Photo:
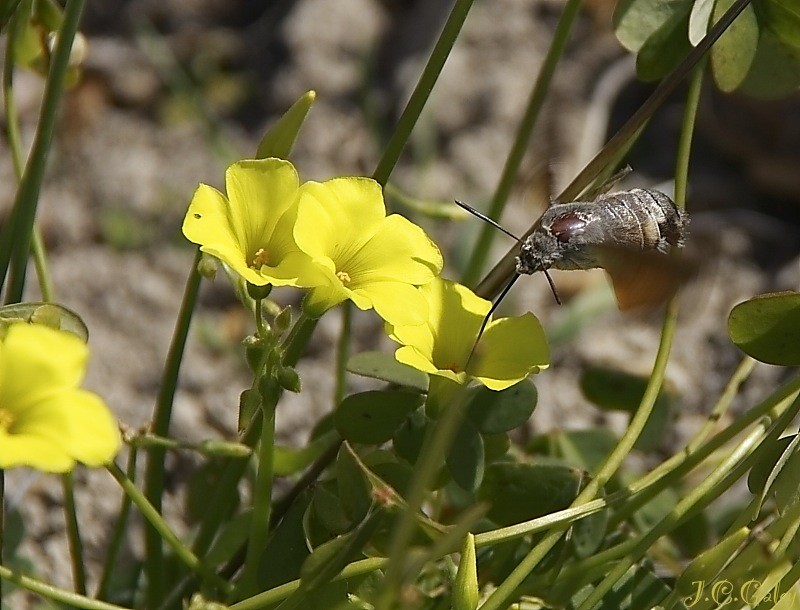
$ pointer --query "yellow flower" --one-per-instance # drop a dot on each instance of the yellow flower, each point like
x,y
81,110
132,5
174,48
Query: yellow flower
x,y
251,229
508,351
47,421
372,259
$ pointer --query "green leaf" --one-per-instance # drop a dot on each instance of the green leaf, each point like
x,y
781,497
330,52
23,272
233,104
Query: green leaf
x,y
466,459
767,328
588,533
638,588
519,492
289,461
585,449
666,48
279,139
354,489
767,455
373,417
700,20
637,20
708,564
782,18
614,390
286,548
407,441
232,537
732,55
494,412
378,365
48,314
495,446
775,72
328,509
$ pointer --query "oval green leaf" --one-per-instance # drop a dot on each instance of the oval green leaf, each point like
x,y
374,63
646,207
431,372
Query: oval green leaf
x,y
48,314
373,417
519,492
466,459
353,487
732,55
615,390
494,412
378,365
775,72
666,48
767,328
407,441
636,20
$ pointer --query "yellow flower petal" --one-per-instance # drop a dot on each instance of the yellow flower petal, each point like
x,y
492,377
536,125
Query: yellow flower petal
x,y
396,302
46,421
335,218
94,433
509,350
251,230
260,191
398,250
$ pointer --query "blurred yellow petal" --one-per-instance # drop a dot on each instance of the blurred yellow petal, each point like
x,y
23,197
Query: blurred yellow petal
x,y
46,421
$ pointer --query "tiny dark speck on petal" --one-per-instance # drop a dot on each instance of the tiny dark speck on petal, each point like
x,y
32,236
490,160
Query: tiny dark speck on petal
x,y
197,216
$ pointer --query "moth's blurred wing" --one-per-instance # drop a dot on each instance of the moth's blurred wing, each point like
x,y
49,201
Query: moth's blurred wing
x,y
644,280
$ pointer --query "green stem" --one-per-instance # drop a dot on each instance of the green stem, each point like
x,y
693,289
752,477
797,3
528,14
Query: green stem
x,y
422,91
73,600
432,455
262,494
687,132
154,471
155,519
118,534
42,267
342,353
498,277
519,148
74,534
27,198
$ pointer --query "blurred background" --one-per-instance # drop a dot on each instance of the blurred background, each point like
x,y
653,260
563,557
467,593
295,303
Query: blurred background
x,y
172,91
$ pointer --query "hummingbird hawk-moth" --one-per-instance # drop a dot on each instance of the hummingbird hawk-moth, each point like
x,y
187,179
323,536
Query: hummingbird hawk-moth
x,y
628,233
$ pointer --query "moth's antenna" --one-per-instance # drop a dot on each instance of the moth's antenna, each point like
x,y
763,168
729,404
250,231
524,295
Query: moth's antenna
x,y
552,285
485,218
492,309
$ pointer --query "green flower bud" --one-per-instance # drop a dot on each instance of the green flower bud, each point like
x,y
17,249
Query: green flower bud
x,y
283,320
289,379
207,267
254,352
465,586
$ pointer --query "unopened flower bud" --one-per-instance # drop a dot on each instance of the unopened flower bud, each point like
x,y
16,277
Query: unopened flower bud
x,y
283,320
289,379
207,267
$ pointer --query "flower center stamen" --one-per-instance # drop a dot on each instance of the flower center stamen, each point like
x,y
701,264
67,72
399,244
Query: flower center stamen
x,y
343,276
6,419
259,259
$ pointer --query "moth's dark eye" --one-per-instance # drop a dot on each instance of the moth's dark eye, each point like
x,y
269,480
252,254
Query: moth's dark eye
x,y
567,226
